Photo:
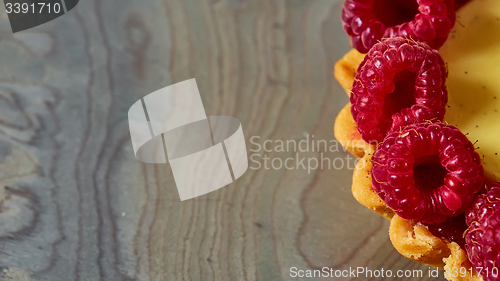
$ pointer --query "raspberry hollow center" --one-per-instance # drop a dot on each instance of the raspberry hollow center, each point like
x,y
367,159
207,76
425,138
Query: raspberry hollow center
x,y
428,173
395,12
401,97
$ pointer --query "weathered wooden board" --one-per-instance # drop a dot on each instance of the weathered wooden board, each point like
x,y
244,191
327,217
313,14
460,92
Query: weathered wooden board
x,y
77,205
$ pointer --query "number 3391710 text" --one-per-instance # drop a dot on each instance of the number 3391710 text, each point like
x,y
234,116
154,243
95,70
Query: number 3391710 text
x,y
38,8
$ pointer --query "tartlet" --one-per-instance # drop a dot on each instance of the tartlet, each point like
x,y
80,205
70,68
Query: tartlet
x,y
409,238
412,239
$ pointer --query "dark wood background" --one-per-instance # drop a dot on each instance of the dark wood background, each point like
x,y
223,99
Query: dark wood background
x,y
77,205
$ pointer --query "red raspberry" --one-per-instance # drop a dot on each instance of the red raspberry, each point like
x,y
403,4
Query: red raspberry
x,y
483,236
460,3
428,172
368,21
452,230
399,82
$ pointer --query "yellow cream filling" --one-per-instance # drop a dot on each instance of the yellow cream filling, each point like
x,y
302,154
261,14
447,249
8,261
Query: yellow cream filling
x,y
472,54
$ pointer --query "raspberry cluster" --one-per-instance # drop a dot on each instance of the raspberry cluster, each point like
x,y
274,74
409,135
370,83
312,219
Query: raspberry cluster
x,y
368,21
399,82
423,169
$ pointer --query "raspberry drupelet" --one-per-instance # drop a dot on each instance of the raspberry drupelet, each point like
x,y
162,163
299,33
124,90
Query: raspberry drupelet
x,y
483,236
399,82
427,172
368,21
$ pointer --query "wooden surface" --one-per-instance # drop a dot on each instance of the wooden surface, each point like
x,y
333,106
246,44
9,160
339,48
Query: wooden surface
x,y
77,205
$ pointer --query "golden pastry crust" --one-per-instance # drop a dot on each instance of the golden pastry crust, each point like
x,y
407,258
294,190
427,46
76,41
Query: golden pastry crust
x,y
362,186
347,134
345,69
417,243
453,264
413,241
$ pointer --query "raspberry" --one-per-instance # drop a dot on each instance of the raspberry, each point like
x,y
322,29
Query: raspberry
x,y
460,3
368,21
399,82
428,172
452,230
483,236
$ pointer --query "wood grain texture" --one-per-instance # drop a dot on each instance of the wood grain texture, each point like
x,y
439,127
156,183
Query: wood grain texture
x,y
77,205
